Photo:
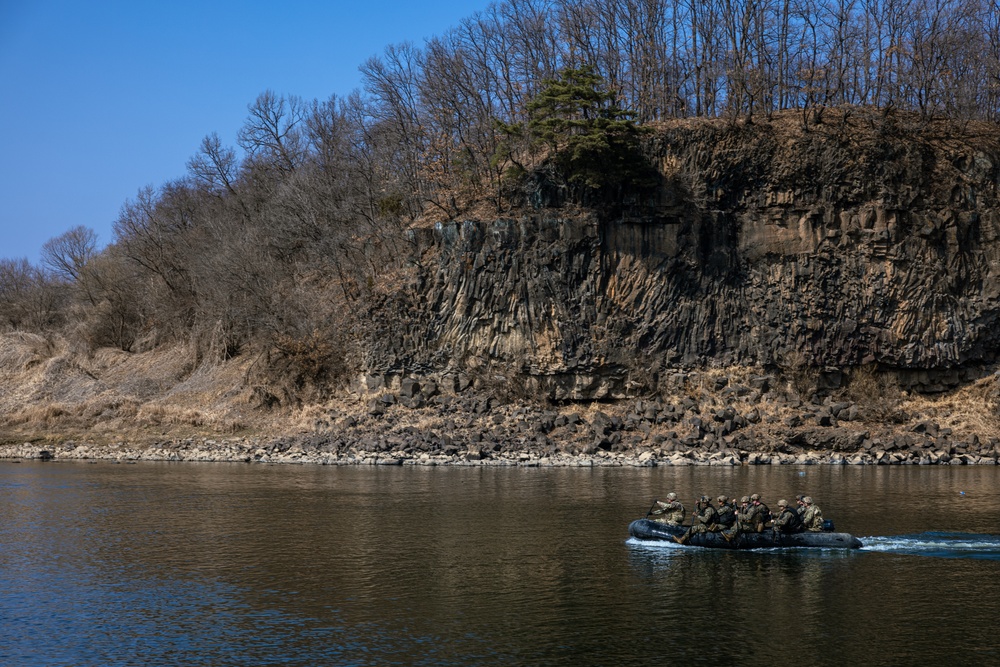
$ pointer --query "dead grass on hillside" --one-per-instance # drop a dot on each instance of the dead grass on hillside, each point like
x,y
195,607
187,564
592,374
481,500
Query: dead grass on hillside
x,y
20,351
972,409
54,393
78,415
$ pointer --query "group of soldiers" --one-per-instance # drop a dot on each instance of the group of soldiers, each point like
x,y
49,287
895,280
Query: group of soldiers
x,y
730,519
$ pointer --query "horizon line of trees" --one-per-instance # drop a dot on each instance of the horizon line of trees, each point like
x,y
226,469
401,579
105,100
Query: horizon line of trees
x,y
283,238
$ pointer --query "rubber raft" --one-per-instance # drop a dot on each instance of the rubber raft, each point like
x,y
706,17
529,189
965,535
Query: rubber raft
x,y
644,529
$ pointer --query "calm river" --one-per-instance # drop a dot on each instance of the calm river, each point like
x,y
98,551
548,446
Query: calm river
x,y
230,564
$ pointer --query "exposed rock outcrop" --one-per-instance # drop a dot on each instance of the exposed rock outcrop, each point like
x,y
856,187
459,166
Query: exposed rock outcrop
x,y
765,246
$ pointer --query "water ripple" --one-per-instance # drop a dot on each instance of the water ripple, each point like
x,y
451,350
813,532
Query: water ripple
x,y
114,566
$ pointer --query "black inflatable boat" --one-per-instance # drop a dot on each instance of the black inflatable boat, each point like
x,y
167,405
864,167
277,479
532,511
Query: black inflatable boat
x,y
644,529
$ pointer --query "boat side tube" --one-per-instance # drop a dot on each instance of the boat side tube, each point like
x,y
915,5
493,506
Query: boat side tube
x,y
644,529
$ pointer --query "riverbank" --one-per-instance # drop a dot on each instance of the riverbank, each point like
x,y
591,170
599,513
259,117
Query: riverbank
x,y
274,453
783,297
61,405
418,426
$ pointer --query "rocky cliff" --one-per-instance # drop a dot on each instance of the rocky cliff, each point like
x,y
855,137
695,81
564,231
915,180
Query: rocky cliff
x,y
765,246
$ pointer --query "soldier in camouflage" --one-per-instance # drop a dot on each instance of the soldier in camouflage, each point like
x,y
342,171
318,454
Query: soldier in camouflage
x,y
757,514
705,520
742,510
740,525
727,513
671,512
812,518
788,520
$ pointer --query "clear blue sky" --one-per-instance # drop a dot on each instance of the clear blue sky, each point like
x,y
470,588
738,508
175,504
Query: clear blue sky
x,y
100,98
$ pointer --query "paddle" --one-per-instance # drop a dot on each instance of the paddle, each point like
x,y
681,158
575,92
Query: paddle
x,y
651,507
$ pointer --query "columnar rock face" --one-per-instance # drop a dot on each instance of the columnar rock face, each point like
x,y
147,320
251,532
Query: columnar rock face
x,y
763,247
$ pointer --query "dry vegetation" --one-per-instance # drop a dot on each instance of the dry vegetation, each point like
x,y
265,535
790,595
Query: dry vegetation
x,y
53,393
57,395
972,409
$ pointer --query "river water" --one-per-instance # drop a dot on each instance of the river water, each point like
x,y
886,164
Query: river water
x,y
229,564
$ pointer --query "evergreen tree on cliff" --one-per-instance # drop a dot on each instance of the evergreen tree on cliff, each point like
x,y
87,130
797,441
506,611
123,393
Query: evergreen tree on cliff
x,y
590,139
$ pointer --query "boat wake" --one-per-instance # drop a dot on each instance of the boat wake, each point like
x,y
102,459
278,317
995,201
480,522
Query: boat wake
x,y
654,544
937,545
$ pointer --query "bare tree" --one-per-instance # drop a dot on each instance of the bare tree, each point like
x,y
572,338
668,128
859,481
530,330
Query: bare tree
x,y
28,298
67,254
215,166
272,133
393,82
989,96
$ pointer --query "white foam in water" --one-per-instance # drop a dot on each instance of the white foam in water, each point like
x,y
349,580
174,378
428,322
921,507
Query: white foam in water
x,y
653,544
940,545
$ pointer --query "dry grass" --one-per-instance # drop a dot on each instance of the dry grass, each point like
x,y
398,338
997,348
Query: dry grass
x,y
159,415
55,393
20,351
312,418
972,409
876,394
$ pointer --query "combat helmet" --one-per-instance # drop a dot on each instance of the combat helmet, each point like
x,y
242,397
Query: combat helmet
x,y
754,497
671,496
807,500
723,500
782,503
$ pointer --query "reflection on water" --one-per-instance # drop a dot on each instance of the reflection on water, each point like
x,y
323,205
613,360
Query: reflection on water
x,y
256,565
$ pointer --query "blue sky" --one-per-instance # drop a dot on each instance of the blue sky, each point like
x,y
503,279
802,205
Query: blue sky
x,y
100,98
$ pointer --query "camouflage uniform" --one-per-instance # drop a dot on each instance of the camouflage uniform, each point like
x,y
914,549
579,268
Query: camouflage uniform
x,y
727,514
812,518
706,519
671,513
740,524
787,520
757,515
741,513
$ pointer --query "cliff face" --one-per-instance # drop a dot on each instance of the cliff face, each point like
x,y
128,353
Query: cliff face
x,y
765,246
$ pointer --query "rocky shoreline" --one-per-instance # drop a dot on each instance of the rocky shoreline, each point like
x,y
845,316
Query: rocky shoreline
x,y
414,429
712,419
223,451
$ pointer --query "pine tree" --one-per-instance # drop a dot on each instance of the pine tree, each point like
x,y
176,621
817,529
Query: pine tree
x,y
591,139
